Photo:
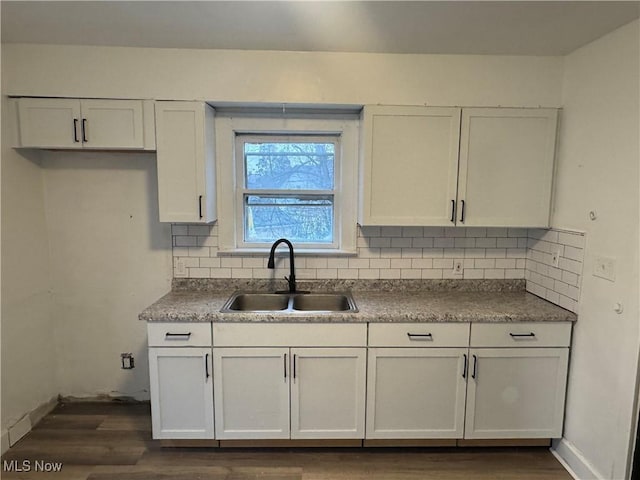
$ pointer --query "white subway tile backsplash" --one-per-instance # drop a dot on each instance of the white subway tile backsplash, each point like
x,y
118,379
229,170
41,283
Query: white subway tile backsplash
x,y
400,242
559,284
473,273
380,263
422,263
412,231
408,252
431,273
401,262
489,242
208,262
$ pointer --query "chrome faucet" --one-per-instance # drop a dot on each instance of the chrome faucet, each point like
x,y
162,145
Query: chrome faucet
x,y
292,269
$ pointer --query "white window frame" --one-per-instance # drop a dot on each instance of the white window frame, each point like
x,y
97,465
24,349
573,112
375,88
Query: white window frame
x,y
231,177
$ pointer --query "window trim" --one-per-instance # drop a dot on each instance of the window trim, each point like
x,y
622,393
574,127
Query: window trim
x,y
242,190
228,127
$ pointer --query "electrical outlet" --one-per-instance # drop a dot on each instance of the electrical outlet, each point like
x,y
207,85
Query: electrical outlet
x,y
127,361
181,269
457,267
605,267
555,258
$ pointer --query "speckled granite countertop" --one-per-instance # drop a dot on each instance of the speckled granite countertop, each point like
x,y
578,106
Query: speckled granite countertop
x,y
193,300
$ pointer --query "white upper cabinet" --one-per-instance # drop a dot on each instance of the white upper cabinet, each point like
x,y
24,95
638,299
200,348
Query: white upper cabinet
x,y
66,123
506,166
451,166
410,165
186,169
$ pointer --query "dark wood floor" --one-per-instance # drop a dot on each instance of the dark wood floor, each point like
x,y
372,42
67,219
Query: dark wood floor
x,y
104,441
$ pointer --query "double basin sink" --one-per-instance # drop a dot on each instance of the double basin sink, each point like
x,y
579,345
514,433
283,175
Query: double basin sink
x,y
290,303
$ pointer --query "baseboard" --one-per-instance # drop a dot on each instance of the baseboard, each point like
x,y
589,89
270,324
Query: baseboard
x,y
42,411
408,442
573,461
290,443
504,442
5,441
19,430
23,426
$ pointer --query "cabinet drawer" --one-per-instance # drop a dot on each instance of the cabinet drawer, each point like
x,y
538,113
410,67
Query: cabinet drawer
x,y
289,335
181,334
521,334
418,334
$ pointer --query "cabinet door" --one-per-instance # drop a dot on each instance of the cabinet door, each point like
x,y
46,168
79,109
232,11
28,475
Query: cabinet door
x,y
49,123
112,124
416,392
252,392
181,392
410,165
506,166
186,174
328,392
516,392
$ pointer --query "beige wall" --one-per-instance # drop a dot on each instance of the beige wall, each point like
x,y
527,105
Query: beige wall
x,y
297,77
28,349
110,258
598,169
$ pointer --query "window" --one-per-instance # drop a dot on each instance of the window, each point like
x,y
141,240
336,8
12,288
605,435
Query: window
x,y
289,178
288,189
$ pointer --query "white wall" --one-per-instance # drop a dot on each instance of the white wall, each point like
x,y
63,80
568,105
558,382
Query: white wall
x,y
599,170
28,349
110,258
297,77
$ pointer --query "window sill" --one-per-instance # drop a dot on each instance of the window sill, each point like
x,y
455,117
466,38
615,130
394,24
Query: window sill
x,y
299,252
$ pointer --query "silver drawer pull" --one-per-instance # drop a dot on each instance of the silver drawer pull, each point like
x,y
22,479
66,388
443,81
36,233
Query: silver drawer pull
x,y
419,336
522,335
177,336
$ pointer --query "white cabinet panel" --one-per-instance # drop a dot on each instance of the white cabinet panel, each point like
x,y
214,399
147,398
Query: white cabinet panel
x,y
111,124
252,392
416,392
328,392
49,123
181,393
410,166
419,334
521,334
506,166
186,170
179,334
289,334
516,393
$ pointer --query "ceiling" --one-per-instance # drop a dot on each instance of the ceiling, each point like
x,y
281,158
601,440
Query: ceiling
x,y
434,27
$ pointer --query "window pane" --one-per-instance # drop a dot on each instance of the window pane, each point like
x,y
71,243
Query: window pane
x,y
290,166
303,219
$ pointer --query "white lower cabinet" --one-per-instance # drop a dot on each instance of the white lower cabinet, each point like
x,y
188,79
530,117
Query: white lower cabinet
x,y
282,393
180,377
416,392
252,392
181,392
516,392
328,392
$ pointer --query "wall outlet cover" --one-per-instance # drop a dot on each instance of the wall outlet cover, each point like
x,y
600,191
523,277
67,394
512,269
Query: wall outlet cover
x,y
457,267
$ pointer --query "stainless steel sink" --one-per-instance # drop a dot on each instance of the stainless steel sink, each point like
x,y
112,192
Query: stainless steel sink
x,y
328,302
290,303
256,302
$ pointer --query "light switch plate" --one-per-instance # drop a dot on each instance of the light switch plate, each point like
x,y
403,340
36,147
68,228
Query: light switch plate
x,y
605,267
